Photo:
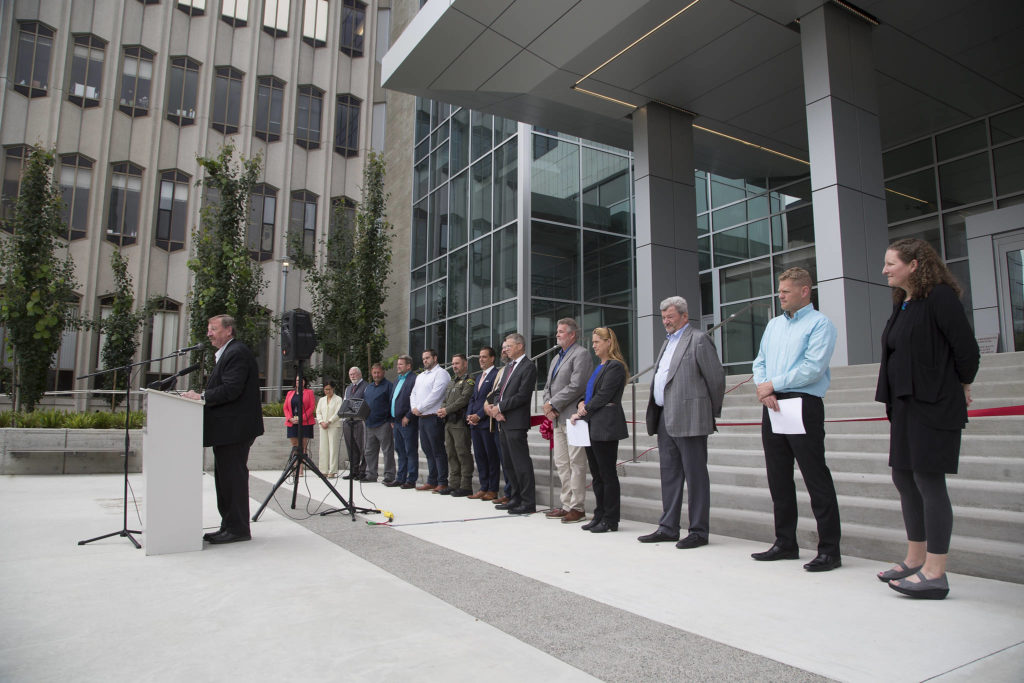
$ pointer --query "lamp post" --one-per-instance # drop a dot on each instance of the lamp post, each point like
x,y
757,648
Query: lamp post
x,y
285,267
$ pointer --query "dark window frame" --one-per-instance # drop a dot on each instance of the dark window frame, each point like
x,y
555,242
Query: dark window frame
x,y
189,8
90,43
34,32
120,236
352,40
164,232
303,199
9,200
304,134
136,106
176,114
347,110
264,129
261,193
230,77
78,162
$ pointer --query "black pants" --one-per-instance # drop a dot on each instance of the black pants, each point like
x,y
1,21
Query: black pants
x,y
601,456
231,478
927,512
515,452
808,450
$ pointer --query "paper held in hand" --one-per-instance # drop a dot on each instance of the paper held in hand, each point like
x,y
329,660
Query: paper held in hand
x,y
577,434
789,419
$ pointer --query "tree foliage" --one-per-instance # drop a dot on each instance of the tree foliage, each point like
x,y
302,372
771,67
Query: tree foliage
x,y
120,328
227,280
38,283
349,288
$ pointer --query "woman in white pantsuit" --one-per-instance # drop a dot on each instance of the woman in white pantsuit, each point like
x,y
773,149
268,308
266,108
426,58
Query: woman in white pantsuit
x,y
330,429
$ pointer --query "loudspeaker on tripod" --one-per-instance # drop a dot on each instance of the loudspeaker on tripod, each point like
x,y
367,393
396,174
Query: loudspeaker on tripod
x,y
297,337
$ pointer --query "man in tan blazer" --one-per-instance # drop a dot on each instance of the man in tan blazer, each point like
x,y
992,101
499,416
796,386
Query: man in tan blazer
x,y
568,373
686,397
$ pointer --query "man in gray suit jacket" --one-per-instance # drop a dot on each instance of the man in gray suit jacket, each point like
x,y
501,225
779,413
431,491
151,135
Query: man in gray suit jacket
x,y
567,382
686,397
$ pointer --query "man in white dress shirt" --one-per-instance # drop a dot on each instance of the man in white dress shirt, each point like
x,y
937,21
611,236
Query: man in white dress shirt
x,y
426,399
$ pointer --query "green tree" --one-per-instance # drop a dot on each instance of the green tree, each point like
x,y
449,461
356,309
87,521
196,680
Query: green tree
x,y
227,280
373,258
38,283
120,328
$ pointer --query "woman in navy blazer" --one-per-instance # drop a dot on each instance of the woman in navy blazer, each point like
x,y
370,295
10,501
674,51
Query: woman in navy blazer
x,y
929,359
602,410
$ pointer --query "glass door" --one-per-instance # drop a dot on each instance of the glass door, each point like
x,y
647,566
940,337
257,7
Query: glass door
x,y
1010,259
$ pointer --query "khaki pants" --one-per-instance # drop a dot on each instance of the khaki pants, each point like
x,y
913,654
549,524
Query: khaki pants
x,y
571,465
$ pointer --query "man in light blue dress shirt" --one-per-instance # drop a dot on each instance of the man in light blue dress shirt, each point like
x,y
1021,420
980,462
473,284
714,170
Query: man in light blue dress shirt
x,y
793,363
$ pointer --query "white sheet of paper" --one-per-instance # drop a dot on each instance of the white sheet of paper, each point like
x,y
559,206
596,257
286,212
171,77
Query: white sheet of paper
x,y
577,434
790,417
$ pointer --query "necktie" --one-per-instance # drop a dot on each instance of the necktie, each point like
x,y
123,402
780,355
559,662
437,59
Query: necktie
x,y
504,380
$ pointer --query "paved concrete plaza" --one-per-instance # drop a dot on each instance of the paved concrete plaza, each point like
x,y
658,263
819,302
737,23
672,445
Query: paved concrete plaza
x,y
455,592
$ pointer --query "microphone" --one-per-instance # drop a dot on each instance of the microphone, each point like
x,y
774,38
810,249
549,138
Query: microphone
x,y
189,349
544,353
163,384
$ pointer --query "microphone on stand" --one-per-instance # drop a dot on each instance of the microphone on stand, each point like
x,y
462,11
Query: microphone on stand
x,y
167,382
189,349
544,353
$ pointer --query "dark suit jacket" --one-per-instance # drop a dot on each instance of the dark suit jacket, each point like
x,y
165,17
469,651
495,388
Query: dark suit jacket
x,y
233,412
479,397
515,401
403,408
945,356
606,420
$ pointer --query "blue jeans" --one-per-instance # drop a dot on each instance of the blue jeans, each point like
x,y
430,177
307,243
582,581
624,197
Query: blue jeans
x,y
432,440
407,450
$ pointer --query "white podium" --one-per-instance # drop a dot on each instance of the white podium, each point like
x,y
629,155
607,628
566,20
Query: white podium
x,y
172,469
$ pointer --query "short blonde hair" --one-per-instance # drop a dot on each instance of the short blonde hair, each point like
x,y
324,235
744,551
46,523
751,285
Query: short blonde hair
x,y
798,276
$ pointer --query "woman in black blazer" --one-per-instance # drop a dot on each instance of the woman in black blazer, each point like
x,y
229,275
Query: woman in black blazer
x,y
602,410
929,359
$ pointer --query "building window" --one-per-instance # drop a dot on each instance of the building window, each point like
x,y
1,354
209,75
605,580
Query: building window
x,y
61,374
260,236
125,194
309,105
75,185
32,69
227,99
269,105
14,165
136,80
314,23
378,127
162,339
193,8
346,126
172,211
353,26
86,70
302,222
275,17
383,34
235,12
182,85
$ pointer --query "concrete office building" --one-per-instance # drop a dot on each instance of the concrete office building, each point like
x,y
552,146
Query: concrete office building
x,y
130,93
818,131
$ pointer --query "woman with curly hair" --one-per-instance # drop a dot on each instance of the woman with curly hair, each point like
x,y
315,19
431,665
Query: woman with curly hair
x,y
929,359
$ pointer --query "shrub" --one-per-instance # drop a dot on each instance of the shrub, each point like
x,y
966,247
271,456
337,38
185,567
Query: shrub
x,y
273,410
104,420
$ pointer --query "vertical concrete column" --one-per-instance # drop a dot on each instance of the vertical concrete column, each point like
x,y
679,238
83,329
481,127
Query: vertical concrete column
x,y
850,231
666,222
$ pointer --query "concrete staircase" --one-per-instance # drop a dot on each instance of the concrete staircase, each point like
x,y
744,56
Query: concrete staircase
x,y
987,494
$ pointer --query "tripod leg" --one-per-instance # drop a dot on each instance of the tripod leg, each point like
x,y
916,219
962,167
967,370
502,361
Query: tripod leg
x,y
293,462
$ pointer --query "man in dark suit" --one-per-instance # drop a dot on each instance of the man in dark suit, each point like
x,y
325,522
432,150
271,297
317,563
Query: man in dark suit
x,y
352,430
232,419
686,397
406,424
485,441
511,409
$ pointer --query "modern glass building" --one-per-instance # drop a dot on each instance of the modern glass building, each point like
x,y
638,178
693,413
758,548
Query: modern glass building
x,y
514,227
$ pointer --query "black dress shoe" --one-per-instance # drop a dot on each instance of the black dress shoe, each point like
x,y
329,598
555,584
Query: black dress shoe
x,y
591,524
507,506
692,541
444,491
229,537
604,527
824,563
208,536
391,483
522,510
658,536
460,493
777,552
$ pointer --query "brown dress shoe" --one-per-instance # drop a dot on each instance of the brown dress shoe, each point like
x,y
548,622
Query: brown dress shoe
x,y
573,516
556,513
426,487
501,501
488,495
478,495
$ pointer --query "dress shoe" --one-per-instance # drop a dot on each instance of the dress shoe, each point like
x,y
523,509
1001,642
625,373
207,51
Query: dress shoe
x,y
522,510
408,485
501,501
350,476
507,505
461,493
777,552
392,483
208,536
488,495
658,536
443,490
824,563
555,513
903,572
924,589
692,541
603,527
478,495
367,478
229,537
426,487
573,516
591,524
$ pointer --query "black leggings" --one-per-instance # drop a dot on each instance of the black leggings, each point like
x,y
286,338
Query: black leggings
x,y
927,512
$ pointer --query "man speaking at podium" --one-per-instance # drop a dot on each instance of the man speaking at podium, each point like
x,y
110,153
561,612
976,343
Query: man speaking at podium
x,y
232,419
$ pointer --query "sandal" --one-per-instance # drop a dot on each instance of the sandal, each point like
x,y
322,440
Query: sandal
x,y
926,589
903,572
